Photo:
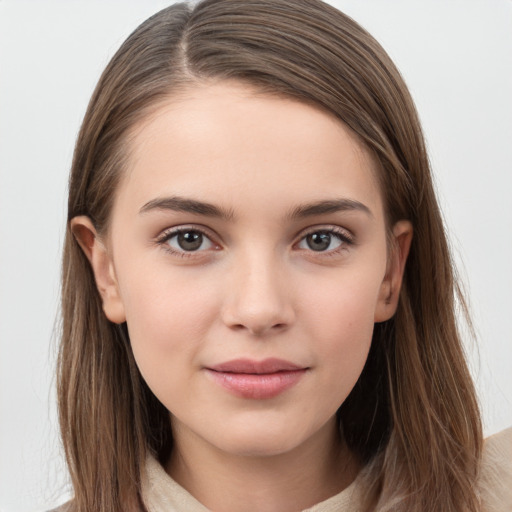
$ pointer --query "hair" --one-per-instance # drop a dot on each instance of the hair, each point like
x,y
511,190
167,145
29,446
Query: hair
x,y
412,417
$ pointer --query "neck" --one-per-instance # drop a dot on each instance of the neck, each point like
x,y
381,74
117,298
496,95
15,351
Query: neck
x,y
318,469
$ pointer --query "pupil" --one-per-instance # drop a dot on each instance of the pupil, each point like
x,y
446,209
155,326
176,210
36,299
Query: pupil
x,y
318,241
190,240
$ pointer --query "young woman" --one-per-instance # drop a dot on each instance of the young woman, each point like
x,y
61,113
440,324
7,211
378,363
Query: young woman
x,y
258,297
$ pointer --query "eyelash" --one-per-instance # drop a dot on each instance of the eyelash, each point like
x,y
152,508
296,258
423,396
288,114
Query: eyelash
x,y
345,237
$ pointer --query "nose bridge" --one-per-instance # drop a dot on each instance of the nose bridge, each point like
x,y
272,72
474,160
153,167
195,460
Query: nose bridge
x,y
258,297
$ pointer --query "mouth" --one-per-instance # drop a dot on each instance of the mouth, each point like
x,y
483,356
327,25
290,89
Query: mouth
x,y
257,380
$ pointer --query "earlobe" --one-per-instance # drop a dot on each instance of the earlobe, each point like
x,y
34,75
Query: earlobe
x,y
390,287
102,266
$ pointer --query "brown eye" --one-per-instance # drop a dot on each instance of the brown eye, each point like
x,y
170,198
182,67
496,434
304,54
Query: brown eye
x,y
322,241
189,240
318,241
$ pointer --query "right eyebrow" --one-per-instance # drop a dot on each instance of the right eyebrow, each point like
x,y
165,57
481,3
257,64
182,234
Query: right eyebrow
x,y
183,204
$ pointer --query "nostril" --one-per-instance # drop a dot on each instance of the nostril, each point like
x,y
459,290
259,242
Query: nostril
x,y
258,330
265,329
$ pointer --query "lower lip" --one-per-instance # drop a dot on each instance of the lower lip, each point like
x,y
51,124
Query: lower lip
x,y
257,386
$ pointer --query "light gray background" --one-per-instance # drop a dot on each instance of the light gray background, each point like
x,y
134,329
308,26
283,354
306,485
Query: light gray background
x,y
456,57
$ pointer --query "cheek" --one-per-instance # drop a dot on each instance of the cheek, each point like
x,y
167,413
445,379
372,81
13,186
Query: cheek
x,y
164,302
168,316
341,320
343,304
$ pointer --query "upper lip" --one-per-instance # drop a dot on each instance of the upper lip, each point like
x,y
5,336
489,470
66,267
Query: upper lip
x,y
271,365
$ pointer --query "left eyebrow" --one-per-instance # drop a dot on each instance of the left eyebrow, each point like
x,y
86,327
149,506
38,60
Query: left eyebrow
x,y
329,206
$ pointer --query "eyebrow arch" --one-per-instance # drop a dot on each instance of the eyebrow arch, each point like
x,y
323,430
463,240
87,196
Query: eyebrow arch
x,y
329,206
183,204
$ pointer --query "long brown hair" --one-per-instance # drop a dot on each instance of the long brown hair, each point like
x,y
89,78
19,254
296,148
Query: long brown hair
x,y
412,417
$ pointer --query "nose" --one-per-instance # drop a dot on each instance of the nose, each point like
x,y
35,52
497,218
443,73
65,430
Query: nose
x,y
259,298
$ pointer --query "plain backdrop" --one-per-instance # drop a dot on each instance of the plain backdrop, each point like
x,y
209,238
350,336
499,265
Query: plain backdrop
x,y
456,58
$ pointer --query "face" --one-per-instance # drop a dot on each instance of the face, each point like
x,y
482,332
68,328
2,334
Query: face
x,y
247,253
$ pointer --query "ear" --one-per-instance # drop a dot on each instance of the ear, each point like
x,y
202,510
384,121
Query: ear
x,y
390,288
102,266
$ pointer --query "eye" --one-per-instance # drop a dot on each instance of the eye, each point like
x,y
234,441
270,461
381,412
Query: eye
x,y
324,240
186,240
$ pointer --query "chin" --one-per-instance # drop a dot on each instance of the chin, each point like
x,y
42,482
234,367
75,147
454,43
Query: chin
x,y
260,447
260,441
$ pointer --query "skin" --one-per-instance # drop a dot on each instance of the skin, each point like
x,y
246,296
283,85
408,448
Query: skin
x,y
253,289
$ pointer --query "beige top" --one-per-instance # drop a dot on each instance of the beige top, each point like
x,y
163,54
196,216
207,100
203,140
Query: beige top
x,y
162,494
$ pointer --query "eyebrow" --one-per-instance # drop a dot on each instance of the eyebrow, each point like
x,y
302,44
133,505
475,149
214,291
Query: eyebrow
x,y
182,204
329,206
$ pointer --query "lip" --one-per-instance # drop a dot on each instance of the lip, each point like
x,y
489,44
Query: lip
x,y
257,380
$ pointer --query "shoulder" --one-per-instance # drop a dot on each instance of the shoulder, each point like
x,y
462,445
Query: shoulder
x,y
496,473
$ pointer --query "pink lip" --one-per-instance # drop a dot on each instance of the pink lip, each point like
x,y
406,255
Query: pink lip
x,y
257,379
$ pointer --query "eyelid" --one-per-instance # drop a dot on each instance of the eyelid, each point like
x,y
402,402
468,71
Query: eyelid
x,y
346,235
180,228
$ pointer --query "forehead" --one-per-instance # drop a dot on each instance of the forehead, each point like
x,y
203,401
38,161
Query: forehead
x,y
228,142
